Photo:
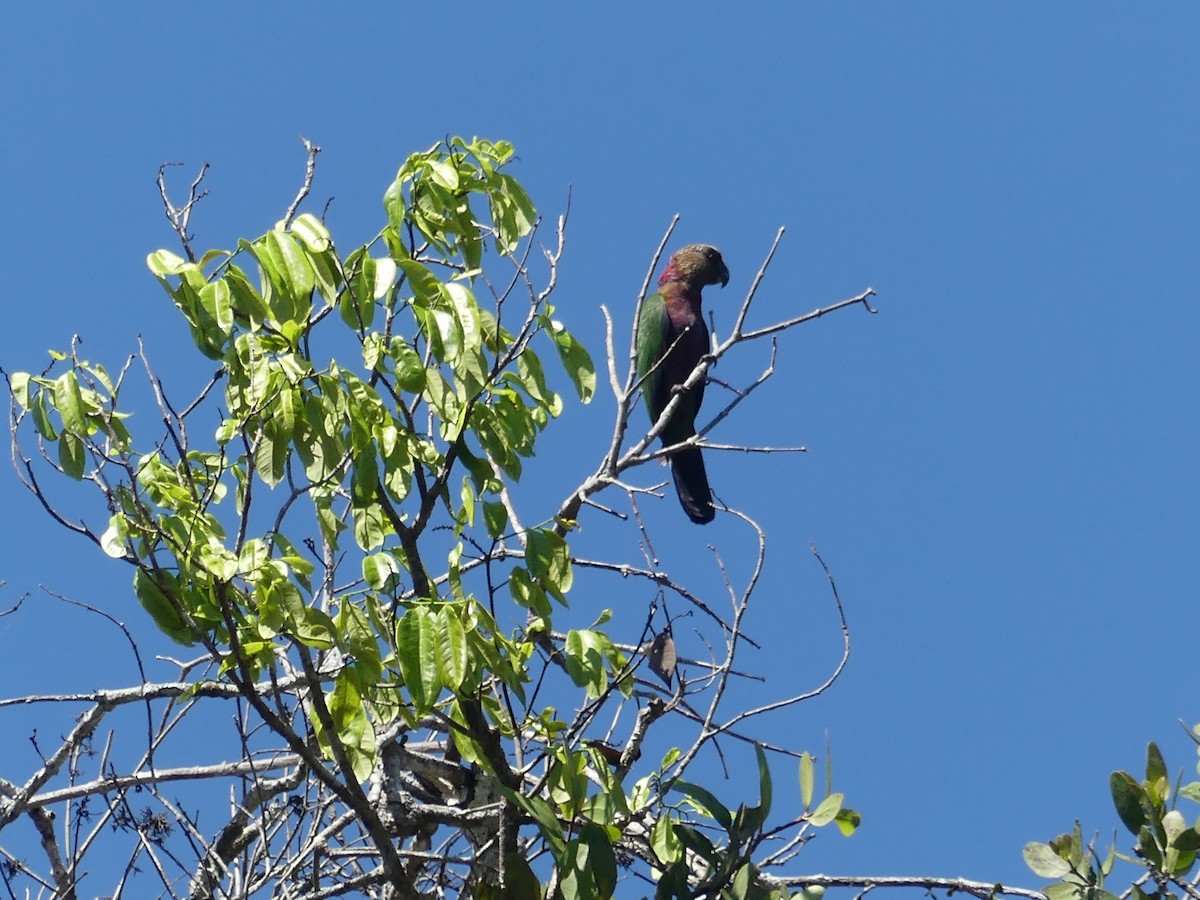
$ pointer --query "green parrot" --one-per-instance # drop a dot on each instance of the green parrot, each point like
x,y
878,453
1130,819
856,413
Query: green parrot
x,y
671,324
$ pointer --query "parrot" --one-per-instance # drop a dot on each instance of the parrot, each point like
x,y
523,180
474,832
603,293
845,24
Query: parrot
x,y
671,325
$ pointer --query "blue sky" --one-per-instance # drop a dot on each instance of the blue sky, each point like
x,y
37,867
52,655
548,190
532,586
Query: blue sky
x,y
1002,463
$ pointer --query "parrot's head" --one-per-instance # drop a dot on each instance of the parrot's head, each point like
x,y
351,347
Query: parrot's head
x,y
700,264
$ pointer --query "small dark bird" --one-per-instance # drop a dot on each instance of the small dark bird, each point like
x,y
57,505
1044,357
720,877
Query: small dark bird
x,y
671,324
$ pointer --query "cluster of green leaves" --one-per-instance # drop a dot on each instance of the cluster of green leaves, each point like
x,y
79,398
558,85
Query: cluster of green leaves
x,y
727,864
1166,845
450,396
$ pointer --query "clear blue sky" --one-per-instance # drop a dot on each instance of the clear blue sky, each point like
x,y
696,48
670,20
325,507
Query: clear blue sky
x,y
1002,469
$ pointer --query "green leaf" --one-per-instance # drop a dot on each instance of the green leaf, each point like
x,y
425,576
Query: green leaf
x,y
576,360
352,724
1188,841
1149,846
166,616
416,653
663,841
1191,791
847,821
1065,890
520,882
602,862
467,312
827,810
164,262
216,302
19,385
271,454
112,542
545,818
425,285
1042,859
1128,798
410,371
295,275
696,842
549,561
1156,768
452,651
380,570
371,527
806,779
705,802
315,629
585,653
72,455
526,593
40,410
741,882
495,517
356,305
312,233
764,781
68,400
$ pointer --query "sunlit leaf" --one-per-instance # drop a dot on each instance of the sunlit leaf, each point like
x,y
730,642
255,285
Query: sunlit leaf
x,y
826,810
416,652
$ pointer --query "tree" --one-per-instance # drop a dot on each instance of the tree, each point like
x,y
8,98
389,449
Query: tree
x,y
388,608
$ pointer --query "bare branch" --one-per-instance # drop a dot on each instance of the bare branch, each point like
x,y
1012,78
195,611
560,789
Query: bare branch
x,y
181,217
310,170
982,890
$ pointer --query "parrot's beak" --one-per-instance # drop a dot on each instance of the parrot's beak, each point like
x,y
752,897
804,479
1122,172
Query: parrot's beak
x,y
724,275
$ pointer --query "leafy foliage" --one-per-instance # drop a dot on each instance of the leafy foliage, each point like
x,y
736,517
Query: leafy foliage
x,y
1165,844
348,552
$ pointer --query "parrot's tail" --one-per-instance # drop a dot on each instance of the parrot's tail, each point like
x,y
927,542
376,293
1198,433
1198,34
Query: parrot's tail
x,y
691,483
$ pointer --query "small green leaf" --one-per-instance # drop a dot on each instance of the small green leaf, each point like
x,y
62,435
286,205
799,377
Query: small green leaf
x,y
112,542
764,781
380,570
705,802
452,651
1149,846
352,724
1187,841
68,400
19,384
585,653
71,455
544,816
161,609
164,262
847,821
495,517
602,862
806,779
1128,798
526,593
549,560
416,653
826,810
576,360
1156,767
741,882
410,371
665,844
312,232
520,882
1042,859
